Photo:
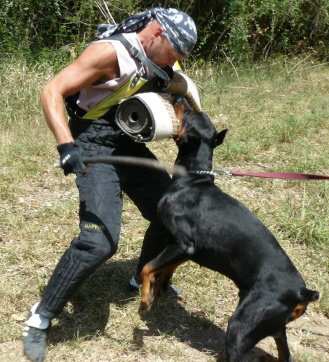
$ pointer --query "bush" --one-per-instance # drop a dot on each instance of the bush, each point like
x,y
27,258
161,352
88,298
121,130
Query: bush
x,y
244,30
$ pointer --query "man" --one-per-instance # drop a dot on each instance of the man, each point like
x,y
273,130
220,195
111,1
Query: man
x,y
105,68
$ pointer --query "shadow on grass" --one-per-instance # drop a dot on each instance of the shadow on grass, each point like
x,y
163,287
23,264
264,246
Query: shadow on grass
x,y
90,312
169,317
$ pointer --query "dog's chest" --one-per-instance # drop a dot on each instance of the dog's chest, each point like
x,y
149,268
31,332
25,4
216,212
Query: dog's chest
x,y
188,201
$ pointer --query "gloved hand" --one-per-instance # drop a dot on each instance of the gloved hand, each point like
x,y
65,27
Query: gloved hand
x,y
70,158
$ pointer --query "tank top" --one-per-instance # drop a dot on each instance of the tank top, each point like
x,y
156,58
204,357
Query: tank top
x,y
90,96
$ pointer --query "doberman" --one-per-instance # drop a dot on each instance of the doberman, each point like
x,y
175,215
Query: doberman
x,y
216,231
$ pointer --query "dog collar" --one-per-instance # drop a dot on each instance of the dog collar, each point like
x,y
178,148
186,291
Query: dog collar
x,y
201,172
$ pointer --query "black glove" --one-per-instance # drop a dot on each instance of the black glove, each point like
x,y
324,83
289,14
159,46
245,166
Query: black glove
x,y
71,158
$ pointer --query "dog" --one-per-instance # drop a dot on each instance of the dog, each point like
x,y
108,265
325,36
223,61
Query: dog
x,y
218,232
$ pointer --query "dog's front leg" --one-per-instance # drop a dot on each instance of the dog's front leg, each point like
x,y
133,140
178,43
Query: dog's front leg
x,y
163,278
159,268
148,280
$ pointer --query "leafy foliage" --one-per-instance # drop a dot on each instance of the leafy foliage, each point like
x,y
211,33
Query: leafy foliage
x,y
243,30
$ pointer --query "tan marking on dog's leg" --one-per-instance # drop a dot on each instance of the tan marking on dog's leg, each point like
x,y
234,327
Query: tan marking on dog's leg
x,y
163,274
150,288
148,279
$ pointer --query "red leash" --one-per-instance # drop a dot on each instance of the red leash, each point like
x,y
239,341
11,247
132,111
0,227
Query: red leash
x,y
278,175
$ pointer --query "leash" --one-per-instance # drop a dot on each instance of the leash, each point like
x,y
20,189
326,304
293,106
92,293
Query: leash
x,y
277,175
181,170
134,161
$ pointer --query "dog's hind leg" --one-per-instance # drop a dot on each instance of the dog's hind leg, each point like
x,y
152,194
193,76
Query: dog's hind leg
x,y
253,320
157,272
257,317
238,345
283,348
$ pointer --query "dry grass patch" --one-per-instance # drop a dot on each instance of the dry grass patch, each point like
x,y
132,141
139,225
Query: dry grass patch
x,y
278,121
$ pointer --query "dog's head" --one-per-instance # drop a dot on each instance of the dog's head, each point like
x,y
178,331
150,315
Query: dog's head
x,y
196,126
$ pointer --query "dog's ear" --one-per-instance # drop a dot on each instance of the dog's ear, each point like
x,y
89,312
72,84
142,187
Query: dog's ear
x,y
220,137
182,100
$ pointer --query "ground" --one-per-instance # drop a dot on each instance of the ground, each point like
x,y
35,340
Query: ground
x,y
102,324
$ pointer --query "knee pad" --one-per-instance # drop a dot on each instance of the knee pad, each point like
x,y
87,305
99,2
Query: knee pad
x,y
94,247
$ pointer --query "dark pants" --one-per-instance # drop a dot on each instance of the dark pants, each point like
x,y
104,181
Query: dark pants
x,y
100,191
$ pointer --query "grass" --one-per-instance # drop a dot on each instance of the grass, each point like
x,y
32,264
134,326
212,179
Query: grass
x,y
277,115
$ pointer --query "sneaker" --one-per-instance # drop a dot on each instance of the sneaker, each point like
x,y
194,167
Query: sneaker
x,y
35,343
35,335
135,287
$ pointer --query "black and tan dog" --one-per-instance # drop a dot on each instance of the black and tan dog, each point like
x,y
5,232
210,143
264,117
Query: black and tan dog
x,y
218,232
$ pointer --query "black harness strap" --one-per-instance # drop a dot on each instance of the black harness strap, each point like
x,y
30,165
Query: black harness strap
x,y
138,55
70,102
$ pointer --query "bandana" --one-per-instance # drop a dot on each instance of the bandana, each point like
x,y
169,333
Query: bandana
x,y
179,28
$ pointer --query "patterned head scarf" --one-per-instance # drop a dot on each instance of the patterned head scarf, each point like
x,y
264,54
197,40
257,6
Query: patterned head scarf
x,y
179,28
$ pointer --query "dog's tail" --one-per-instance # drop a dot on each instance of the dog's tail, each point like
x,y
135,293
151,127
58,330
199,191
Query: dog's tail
x,y
305,297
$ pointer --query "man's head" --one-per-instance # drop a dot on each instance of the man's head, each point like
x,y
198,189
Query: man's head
x,y
177,28
157,47
168,37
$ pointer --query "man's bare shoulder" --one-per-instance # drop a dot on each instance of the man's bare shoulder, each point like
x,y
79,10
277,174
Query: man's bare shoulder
x,y
99,51
101,56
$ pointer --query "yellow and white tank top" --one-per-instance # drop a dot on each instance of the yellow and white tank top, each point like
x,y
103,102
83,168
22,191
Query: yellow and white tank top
x,y
92,95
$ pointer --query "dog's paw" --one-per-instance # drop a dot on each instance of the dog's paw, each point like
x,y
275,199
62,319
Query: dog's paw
x,y
144,308
146,302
